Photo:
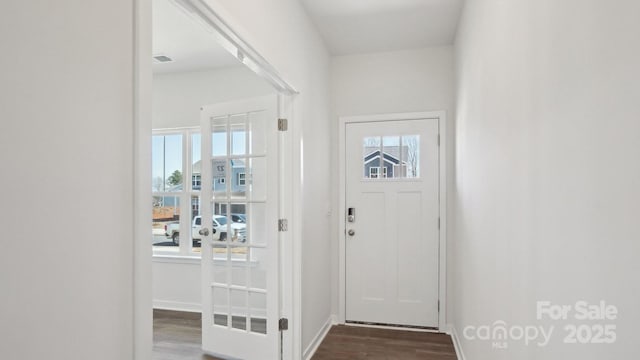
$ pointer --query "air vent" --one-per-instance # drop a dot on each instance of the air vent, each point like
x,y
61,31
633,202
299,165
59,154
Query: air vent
x,y
159,59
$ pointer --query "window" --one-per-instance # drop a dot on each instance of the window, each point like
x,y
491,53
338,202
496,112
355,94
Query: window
x,y
166,163
391,157
175,159
177,156
196,181
166,184
373,172
195,206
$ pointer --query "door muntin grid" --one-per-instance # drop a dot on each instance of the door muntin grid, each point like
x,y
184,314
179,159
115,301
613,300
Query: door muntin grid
x,y
239,165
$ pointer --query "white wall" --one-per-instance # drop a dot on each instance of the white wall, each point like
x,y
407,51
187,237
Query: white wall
x,y
66,149
176,284
393,82
399,81
547,171
177,97
282,32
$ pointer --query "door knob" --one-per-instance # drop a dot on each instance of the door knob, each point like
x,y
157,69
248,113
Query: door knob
x,y
204,232
351,232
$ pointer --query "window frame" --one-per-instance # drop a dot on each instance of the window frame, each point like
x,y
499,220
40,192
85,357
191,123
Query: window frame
x,y
242,179
380,158
377,172
196,180
185,195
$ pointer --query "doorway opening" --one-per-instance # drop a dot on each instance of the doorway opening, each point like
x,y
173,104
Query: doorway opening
x,y
216,153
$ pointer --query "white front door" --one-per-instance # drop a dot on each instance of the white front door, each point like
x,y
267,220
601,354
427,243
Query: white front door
x,y
240,286
392,224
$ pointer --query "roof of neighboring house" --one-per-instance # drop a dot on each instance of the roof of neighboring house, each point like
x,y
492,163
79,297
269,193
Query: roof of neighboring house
x,y
391,153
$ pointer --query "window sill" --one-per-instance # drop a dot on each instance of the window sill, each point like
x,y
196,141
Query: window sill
x,y
176,258
195,260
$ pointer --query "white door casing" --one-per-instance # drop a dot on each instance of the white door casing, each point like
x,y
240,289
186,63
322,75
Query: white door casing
x,y
391,265
240,279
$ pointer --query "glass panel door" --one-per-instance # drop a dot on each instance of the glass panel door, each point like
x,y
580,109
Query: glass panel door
x,y
240,253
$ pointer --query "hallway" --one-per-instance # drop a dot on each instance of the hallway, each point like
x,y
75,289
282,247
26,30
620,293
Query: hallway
x,y
176,336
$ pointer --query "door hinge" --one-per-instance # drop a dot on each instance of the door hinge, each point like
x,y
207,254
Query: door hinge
x,y
438,305
283,225
283,324
438,139
283,124
438,223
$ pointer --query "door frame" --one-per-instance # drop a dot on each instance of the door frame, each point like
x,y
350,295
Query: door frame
x,y
230,35
442,186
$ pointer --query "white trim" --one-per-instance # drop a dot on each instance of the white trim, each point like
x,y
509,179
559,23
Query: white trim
x,y
290,245
400,328
175,130
317,340
177,259
442,149
393,117
342,289
142,91
177,306
212,15
457,345
442,266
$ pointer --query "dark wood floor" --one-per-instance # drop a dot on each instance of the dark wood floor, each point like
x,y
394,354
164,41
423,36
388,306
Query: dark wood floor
x,y
176,336
351,342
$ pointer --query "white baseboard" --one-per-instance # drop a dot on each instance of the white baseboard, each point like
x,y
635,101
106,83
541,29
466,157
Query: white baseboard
x,y
456,343
317,340
176,306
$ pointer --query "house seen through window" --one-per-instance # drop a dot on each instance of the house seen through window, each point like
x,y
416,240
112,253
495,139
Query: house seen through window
x,y
172,196
387,157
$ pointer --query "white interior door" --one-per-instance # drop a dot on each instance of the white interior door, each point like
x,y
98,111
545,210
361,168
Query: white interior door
x,y
240,287
392,224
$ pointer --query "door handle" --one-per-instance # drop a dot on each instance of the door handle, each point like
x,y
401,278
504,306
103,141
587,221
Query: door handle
x,y
351,232
204,232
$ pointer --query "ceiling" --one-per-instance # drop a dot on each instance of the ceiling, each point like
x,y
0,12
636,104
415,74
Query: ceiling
x,y
188,42
363,26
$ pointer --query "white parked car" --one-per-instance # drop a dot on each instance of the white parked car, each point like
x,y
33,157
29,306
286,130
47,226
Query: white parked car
x,y
220,230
